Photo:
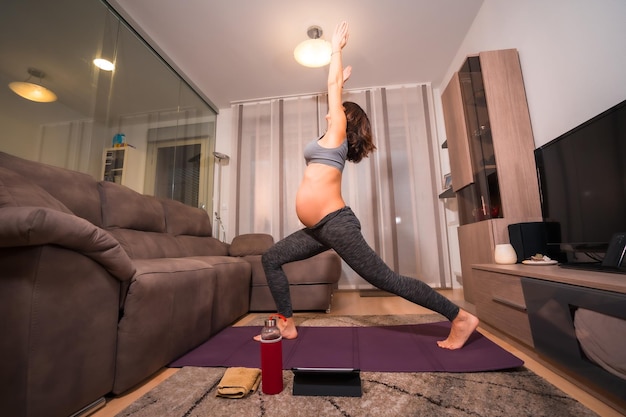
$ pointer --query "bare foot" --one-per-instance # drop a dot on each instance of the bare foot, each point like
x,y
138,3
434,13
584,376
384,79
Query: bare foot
x,y
287,329
462,327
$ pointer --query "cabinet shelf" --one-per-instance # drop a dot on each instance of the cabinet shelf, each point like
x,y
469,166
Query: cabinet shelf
x,y
122,166
448,193
490,169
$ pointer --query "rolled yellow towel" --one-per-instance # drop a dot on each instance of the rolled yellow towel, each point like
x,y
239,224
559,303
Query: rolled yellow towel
x,y
239,382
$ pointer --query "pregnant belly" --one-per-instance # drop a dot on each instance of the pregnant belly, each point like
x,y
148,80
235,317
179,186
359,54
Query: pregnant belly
x,y
312,205
319,193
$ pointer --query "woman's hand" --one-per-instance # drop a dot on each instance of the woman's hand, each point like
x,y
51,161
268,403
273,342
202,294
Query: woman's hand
x,y
340,37
337,75
347,71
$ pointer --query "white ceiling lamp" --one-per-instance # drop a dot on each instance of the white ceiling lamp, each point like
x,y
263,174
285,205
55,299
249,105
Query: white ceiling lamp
x,y
315,51
32,91
104,64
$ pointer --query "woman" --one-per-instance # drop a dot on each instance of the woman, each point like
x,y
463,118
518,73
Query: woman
x,y
332,225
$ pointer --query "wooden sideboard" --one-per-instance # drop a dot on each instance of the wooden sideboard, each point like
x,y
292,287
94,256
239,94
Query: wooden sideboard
x,y
536,306
500,300
554,273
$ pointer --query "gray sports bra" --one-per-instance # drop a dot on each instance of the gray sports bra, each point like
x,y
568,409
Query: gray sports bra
x,y
334,157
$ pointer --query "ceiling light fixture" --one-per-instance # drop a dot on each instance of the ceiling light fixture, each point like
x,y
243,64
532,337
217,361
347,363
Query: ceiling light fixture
x,y
314,52
32,91
104,64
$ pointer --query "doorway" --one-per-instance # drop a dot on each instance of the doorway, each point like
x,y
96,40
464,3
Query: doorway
x,y
178,170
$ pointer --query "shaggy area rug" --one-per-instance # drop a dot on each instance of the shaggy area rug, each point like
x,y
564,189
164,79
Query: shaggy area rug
x,y
192,391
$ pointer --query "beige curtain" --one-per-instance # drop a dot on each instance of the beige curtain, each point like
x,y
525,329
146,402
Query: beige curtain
x,y
393,192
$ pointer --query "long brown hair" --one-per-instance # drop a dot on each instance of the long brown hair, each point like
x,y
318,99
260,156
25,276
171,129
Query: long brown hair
x,y
358,132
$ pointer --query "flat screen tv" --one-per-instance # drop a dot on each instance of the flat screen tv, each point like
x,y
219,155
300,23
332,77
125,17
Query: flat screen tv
x,y
582,180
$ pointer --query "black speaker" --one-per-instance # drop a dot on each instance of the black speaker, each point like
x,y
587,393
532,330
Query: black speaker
x,y
531,238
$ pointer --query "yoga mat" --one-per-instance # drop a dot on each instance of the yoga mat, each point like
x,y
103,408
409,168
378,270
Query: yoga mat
x,y
398,348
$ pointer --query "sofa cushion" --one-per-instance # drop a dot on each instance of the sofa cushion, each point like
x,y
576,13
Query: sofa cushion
x,y
148,245
167,312
327,267
181,219
76,190
323,268
251,244
233,289
125,208
17,191
202,246
34,226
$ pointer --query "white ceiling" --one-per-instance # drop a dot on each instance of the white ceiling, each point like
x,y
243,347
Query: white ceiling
x,y
237,50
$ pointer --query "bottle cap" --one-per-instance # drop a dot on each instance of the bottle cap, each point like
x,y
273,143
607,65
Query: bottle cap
x,y
270,322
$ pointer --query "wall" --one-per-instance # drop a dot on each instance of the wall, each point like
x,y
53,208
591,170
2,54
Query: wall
x,y
28,136
572,55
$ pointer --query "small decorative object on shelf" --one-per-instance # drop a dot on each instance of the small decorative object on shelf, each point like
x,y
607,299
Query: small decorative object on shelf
x,y
505,254
119,140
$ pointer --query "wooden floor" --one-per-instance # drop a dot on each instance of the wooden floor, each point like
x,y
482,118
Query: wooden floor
x,y
352,303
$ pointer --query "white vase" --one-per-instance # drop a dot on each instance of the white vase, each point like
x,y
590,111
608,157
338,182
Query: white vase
x,y
505,254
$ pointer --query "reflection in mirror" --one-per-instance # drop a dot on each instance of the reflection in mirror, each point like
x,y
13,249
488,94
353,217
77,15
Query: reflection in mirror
x,y
167,130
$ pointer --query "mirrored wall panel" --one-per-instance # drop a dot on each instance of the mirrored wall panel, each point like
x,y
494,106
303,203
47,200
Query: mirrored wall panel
x,y
134,121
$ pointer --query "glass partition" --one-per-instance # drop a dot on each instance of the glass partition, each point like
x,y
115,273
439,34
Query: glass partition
x,y
167,130
481,199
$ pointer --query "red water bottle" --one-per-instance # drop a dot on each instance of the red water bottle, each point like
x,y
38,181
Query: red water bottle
x,y
271,358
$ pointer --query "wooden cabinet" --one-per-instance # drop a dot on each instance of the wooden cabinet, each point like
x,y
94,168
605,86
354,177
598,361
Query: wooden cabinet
x,y
537,305
491,147
122,166
477,240
458,150
500,303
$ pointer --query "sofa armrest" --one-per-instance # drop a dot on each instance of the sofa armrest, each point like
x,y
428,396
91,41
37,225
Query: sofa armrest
x,y
34,226
250,244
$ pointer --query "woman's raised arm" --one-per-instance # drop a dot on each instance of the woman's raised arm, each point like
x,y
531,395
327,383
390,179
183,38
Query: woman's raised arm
x,y
337,75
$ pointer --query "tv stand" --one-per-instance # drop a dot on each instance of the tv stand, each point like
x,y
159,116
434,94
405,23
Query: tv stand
x,y
593,266
536,305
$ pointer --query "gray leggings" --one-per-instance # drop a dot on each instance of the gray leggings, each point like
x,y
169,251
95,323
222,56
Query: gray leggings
x,y
341,231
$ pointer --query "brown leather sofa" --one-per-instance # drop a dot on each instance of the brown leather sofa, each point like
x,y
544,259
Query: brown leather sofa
x,y
100,286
